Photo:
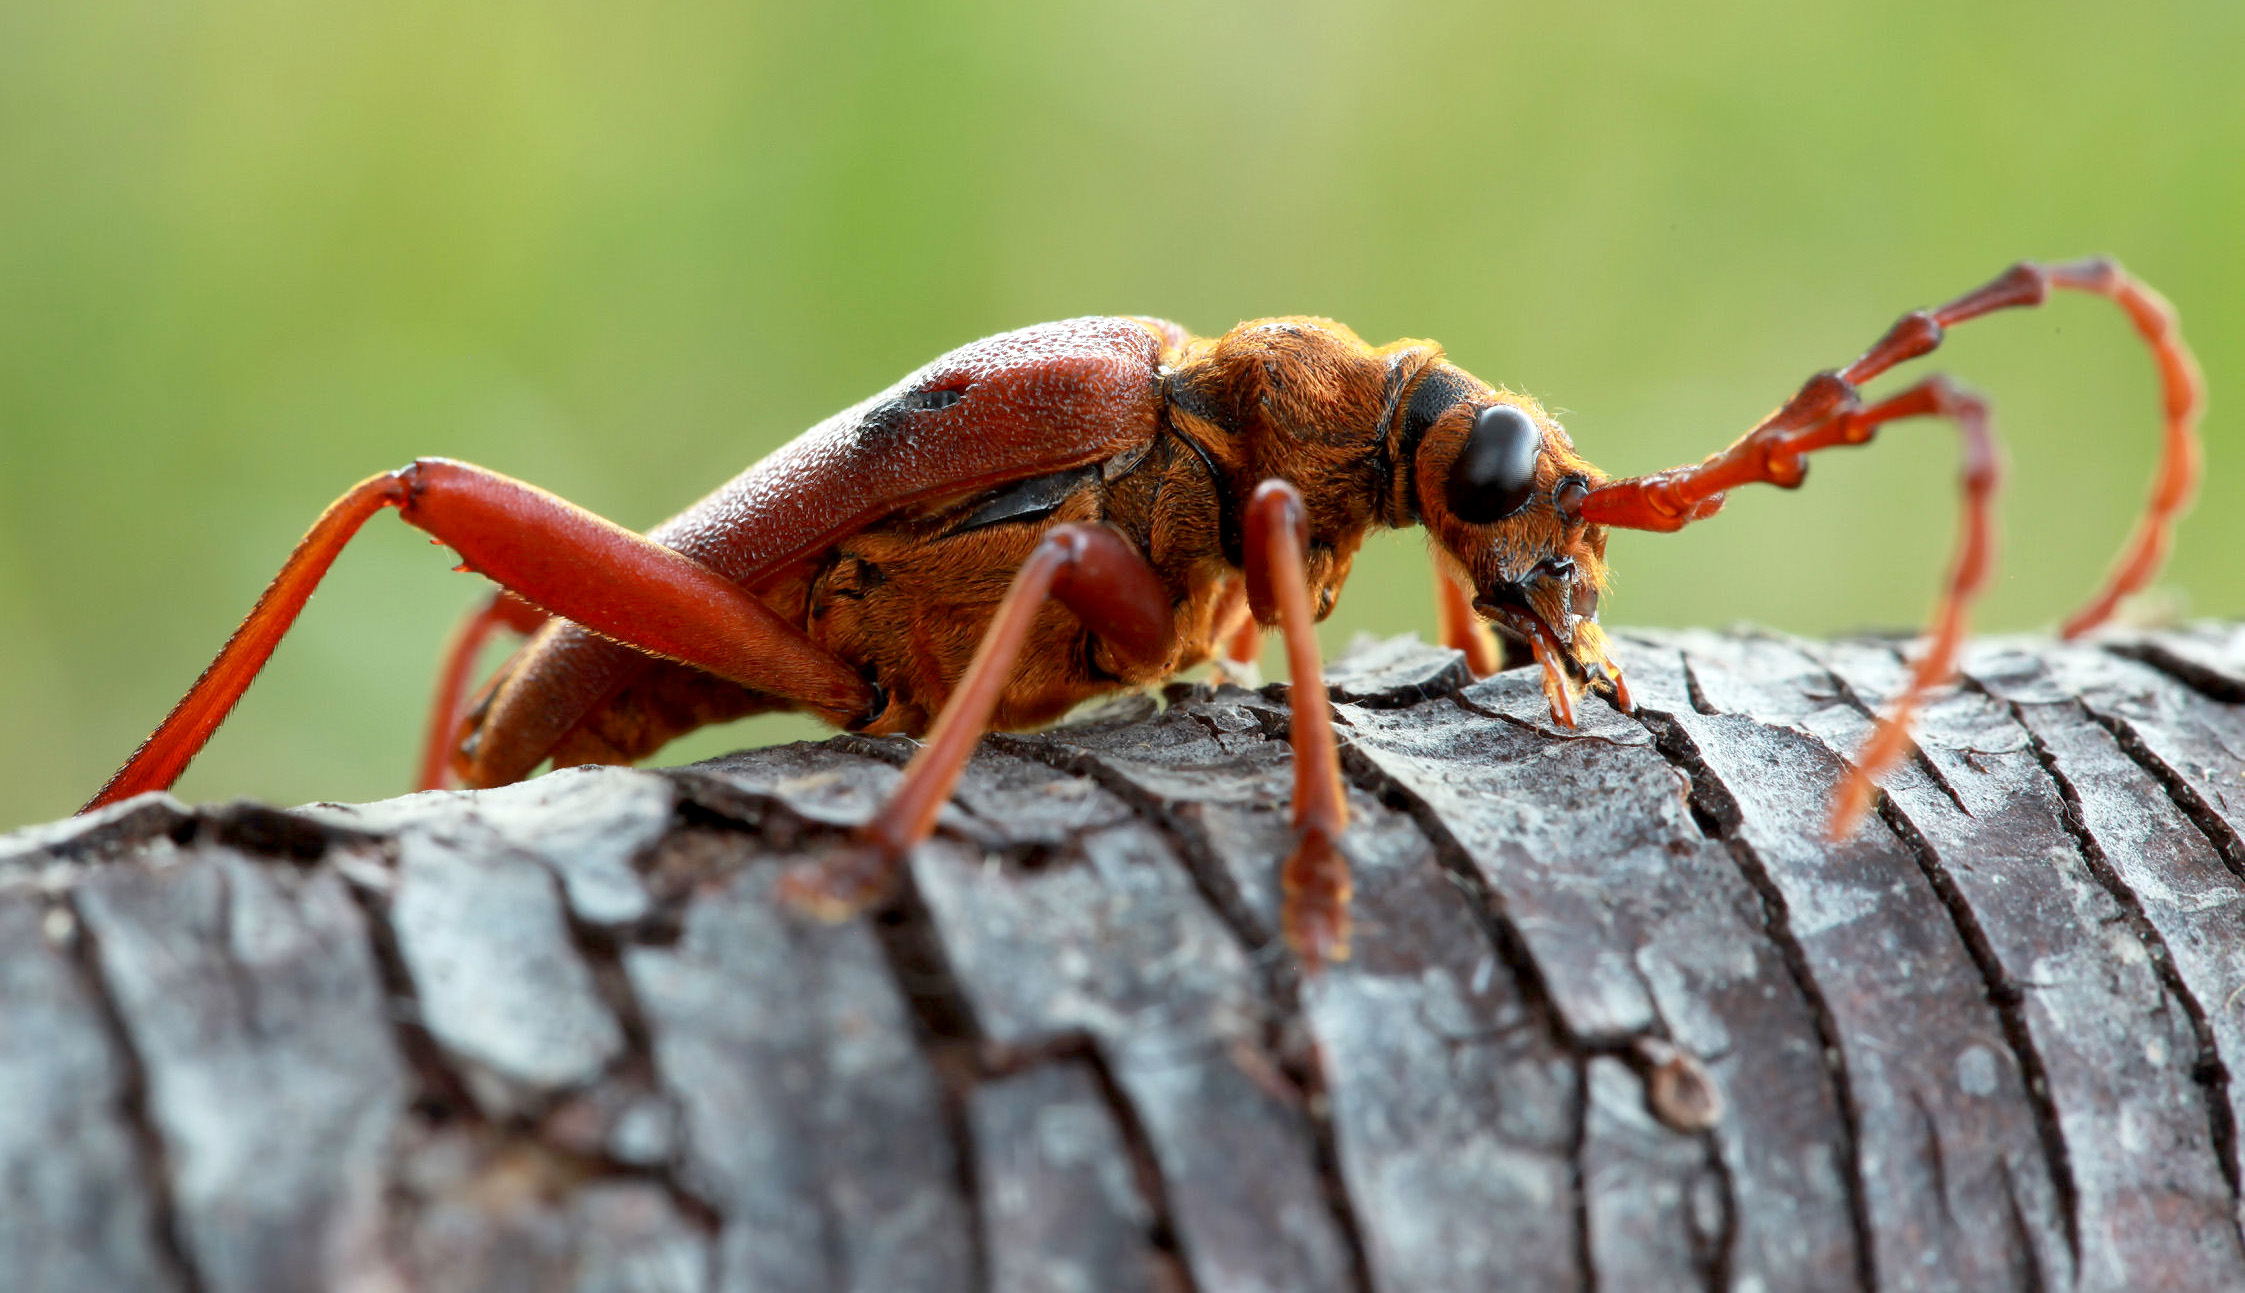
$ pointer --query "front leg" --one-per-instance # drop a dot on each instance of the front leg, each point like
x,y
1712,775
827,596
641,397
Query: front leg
x,y
1460,627
1315,885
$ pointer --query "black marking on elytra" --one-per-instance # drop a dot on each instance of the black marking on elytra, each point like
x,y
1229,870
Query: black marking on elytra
x,y
1026,500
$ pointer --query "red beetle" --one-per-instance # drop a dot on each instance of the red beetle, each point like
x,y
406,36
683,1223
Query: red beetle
x,y
1078,507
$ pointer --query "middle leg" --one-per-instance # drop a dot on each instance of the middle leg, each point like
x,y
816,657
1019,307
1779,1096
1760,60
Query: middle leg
x,y
1090,569
501,610
1314,886
1239,652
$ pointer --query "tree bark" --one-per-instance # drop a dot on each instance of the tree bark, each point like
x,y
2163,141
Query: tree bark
x,y
1618,1014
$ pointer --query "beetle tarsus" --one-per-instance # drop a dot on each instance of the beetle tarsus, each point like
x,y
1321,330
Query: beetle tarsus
x,y
834,888
1315,889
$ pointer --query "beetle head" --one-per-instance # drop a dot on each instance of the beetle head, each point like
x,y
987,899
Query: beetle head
x,y
1497,483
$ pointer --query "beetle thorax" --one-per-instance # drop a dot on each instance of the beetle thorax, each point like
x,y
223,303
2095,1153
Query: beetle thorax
x,y
1306,401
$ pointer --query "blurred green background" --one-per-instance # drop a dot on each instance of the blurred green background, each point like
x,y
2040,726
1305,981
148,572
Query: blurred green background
x,y
252,251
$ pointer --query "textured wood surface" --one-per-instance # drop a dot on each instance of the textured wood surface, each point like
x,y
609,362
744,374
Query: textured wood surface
x,y
1618,1015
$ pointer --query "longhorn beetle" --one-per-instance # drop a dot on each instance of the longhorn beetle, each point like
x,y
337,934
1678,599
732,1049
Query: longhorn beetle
x,y
1077,507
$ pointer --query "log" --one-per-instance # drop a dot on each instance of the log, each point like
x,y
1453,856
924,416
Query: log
x,y
1618,1014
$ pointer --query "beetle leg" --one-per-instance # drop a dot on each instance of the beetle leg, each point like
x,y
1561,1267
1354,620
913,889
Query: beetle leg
x,y
549,551
1239,657
1460,627
1090,569
1314,885
502,610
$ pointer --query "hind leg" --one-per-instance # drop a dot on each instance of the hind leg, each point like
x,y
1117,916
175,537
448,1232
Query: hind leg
x,y
553,554
502,610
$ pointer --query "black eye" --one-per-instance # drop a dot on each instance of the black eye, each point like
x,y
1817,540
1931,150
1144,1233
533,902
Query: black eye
x,y
1496,472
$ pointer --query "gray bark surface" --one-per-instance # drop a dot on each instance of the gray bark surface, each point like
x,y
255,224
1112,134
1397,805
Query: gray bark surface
x,y
1619,1015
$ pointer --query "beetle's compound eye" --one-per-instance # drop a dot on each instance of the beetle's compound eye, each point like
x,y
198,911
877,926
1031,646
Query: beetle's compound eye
x,y
1496,471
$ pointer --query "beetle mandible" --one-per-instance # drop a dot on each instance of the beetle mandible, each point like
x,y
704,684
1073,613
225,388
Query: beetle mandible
x,y
1079,507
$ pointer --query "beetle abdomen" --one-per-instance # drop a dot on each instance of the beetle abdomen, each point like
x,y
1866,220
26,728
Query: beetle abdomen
x,y
1021,404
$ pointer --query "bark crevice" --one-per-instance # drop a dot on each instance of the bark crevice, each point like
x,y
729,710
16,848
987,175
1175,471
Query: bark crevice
x,y
2004,991
1721,818
2211,1072
132,1099
2219,833
2211,683
2007,996
1484,903
944,1028
602,951
1280,976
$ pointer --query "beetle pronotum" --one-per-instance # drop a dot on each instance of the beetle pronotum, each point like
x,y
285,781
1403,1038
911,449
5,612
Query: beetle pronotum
x,y
1077,507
